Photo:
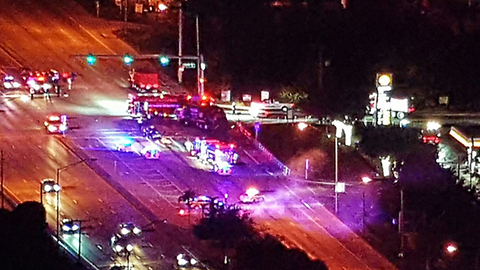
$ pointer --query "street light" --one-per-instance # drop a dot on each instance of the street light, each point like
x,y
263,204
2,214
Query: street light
x,y
58,194
337,188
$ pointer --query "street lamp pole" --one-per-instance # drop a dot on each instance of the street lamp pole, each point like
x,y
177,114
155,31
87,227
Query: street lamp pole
x,y
41,193
128,260
336,172
58,193
80,241
2,179
58,205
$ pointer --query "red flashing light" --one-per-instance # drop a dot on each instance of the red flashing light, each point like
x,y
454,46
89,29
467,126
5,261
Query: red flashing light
x,y
232,145
204,97
41,79
65,75
411,109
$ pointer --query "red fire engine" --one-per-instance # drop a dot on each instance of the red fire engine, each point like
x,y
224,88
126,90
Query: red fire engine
x,y
219,154
154,104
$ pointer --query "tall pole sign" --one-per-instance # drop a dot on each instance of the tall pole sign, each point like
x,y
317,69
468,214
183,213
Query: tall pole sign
x,y
382,106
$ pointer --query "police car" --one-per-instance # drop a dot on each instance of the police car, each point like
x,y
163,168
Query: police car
x,y
252,195
56,124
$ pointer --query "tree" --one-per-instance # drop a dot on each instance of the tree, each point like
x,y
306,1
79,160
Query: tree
x,y
226,227
25,243
268,253
292,94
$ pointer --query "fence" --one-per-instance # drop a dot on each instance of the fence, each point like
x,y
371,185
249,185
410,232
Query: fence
x,y
261,147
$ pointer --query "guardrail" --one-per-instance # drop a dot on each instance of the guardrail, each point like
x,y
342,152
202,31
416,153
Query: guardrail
x,y
261,147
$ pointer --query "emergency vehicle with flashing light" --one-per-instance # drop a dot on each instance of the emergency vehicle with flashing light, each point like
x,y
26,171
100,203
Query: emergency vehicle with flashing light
x,y
154,104
10,82
147,149
252,195
151,132
144,81
219,154
13,78
56,123
201,112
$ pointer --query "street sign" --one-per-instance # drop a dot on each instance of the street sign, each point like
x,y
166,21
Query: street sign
x,y
340,187
257,126
189,65
264,95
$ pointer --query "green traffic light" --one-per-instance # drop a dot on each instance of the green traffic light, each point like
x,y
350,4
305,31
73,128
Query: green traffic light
x,y
164,60
91,59
127,59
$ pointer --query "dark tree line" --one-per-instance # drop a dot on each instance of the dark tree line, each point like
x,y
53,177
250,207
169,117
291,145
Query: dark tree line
x,y
437,211
231,230
25,243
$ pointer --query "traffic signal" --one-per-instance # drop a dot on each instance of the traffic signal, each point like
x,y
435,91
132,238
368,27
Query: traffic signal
x,y
164,60
91,59
127,59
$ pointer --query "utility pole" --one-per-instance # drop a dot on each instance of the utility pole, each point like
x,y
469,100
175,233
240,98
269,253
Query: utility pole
x,y
364,213
306,168
180,40
401,221
58,207
80,241
336,171
202,75
125,10
199,73
470,163
2,178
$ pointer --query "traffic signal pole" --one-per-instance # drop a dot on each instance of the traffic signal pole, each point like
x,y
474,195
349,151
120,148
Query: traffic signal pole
x,y
180,39
200,78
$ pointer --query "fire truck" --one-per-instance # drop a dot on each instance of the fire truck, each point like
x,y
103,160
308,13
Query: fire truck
x,y
154,104
219,154
142,81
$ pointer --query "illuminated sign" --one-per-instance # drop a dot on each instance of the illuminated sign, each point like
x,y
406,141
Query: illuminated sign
x,y
384,80
463,139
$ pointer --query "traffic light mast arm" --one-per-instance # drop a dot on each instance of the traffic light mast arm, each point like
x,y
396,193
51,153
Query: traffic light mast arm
x,y
142,56
169,56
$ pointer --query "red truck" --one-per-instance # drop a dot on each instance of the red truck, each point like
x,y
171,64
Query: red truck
x,y
154,104
142,81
